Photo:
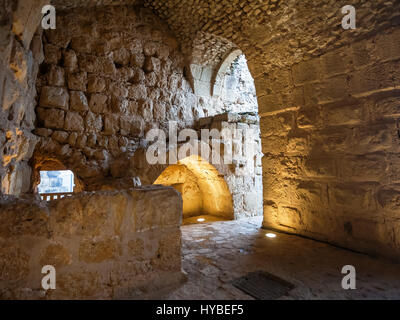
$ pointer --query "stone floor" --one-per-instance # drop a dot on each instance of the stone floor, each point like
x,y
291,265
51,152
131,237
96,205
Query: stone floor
x,y
215,253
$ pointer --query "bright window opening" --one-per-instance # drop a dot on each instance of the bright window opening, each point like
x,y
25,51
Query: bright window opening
x,y
61,181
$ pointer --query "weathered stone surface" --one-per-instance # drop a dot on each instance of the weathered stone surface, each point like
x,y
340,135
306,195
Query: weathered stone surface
x,y
98,103
313,78
56,255
99,251
96,84
70,61
56,76
54,97
85,232
77,81
51,118
93,122
78,101
73,122
14,264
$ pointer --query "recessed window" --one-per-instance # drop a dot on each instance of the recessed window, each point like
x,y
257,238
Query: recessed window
x,y
61,181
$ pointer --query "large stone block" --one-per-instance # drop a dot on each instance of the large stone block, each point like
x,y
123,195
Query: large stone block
x,y
152,64
73,122
70,61
388,45
93,122
51,118
306,71
96,84
335,62
99,251
77,81
14,263
111,124
54,97
78,101
56,76
98,103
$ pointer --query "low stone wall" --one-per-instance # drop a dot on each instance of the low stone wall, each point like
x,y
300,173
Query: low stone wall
x,y
103,245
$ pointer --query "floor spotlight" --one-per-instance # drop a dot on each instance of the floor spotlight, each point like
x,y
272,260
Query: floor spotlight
x,y
270,235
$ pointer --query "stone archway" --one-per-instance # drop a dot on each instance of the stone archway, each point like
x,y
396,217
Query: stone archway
x,y
204,190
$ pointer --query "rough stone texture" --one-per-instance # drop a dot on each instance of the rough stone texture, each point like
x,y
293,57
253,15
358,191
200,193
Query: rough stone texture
x,y
227,87
244,176
238,182
95,242
113,77
214,254
327,99
329,164
20,54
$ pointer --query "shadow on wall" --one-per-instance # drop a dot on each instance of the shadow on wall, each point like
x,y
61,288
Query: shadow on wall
x,y
203,189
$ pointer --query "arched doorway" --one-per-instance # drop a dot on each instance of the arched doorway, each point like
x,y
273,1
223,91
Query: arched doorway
x,y
205,193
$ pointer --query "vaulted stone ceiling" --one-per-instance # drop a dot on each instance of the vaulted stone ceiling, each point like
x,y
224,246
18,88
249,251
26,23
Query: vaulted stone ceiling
x,y
273,33
69,4
279,31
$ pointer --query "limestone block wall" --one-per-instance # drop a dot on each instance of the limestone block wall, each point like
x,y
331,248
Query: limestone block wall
x,y
327,100
110,74
330,138
238,92
244,176
224,86
106,244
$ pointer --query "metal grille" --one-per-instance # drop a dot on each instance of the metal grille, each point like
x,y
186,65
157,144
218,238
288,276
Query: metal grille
x,y
262,285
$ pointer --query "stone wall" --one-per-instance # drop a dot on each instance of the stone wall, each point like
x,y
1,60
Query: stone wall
x,y
327,98
103,245
224,86
238,182
20,54
238,93
331,154
109,75
244,175
109,78
327,101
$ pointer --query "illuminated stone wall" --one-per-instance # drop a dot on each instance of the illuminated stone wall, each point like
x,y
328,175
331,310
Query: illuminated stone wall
x,y
229,190
331,158
328,102
103,245
184,181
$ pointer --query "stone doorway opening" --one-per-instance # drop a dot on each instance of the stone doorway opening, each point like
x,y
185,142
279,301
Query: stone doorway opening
x,y
205,193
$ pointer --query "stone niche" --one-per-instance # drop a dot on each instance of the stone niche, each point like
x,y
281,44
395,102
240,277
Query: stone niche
x,y
103,245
